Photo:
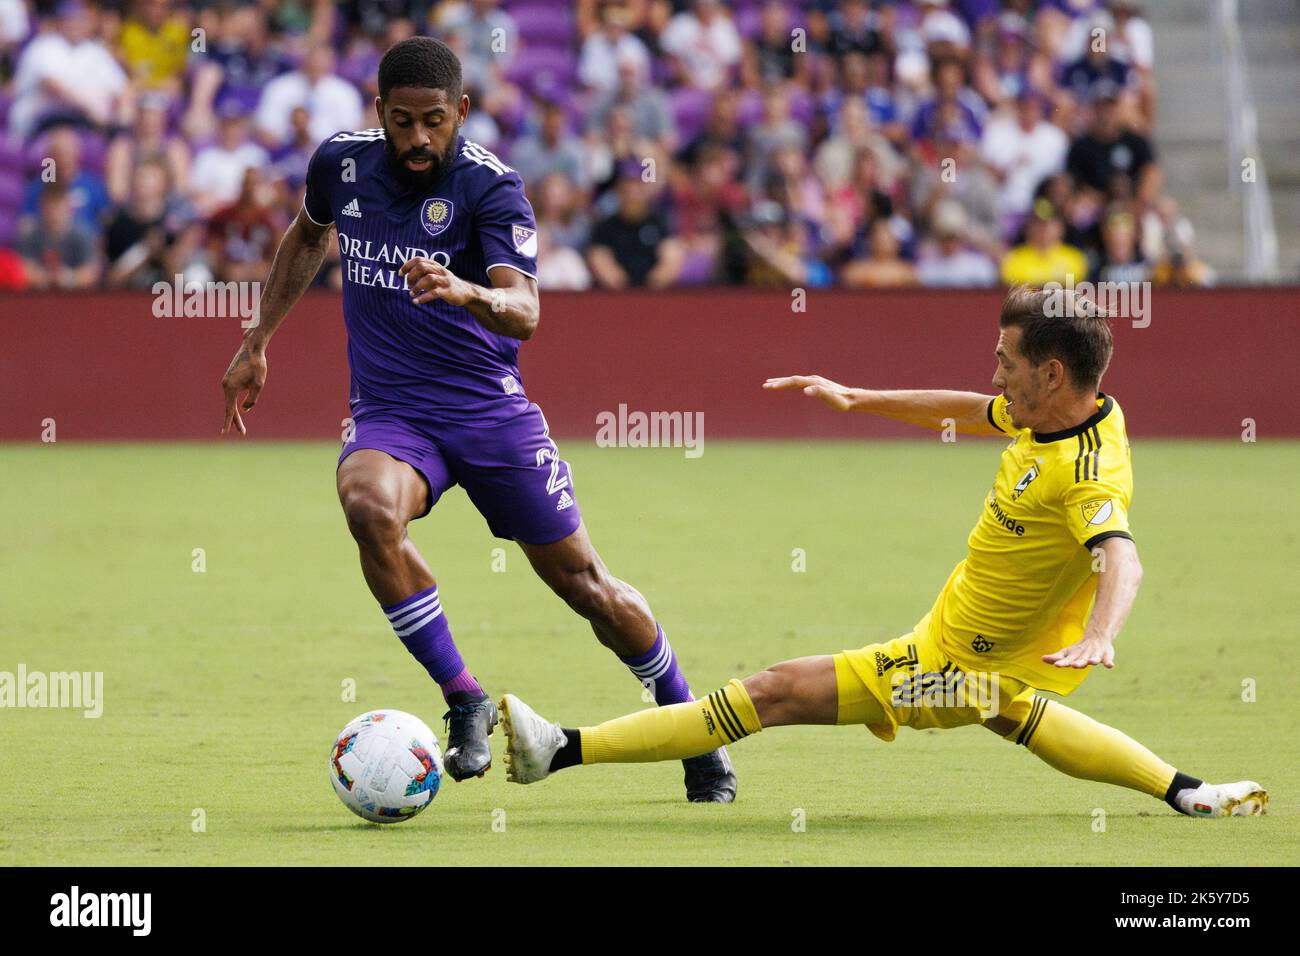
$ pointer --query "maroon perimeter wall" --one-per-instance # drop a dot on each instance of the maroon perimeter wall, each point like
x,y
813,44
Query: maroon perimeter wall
x,y
103,366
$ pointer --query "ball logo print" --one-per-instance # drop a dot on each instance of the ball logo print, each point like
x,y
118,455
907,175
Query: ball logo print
x,y
386,766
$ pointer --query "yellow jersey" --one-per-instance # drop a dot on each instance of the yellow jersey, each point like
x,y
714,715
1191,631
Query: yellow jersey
x,y
1060,263
1027,584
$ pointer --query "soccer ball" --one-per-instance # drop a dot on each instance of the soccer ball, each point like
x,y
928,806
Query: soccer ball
x,y
386,766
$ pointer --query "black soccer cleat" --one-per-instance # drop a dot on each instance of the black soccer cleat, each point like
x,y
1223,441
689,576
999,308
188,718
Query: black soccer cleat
x,y
710,778
469,724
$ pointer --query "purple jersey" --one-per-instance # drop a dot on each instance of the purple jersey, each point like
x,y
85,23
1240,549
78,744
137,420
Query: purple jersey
x,y
435,358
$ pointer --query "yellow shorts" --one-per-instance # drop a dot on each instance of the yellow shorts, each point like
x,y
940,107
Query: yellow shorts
x,y
910,682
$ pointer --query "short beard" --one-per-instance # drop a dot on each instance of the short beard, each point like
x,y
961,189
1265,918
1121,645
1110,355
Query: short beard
x,y
419,180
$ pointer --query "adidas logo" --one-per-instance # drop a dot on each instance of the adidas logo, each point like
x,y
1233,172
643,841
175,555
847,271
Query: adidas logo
x,y
566,501
352,209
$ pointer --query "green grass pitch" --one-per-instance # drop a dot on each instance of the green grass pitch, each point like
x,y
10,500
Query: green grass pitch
x,y
223,689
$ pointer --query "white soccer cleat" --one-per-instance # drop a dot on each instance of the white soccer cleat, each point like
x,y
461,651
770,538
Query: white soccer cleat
x,y
1242,799
531,741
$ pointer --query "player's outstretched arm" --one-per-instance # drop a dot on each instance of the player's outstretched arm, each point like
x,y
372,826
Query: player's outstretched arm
x,y
929,408
1117,588
509,308
296,262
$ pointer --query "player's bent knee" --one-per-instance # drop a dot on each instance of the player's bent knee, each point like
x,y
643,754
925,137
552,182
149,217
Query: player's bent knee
x,y
587,591
372,515
772,692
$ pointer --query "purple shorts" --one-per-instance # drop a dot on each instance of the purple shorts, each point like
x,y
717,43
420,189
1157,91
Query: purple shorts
x,y
511,470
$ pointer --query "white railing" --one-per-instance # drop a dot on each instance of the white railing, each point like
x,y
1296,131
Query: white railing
x,y
1247,175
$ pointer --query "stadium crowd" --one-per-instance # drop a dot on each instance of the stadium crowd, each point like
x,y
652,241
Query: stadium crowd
x,y
663,143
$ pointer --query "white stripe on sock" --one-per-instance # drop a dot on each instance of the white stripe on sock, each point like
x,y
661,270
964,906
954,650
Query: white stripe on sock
x,y
403,631
656,666
405,613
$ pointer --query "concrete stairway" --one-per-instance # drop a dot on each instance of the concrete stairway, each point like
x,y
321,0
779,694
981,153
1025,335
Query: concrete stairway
x,y
1191,123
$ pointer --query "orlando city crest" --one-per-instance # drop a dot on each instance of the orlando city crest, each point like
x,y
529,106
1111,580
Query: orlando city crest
x,y
435,215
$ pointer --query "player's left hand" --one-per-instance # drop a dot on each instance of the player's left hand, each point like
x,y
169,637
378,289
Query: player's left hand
x,y
1085,652
427,280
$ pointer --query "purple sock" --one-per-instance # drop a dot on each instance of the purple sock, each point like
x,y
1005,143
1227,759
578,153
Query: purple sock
x,y
422,627
657,669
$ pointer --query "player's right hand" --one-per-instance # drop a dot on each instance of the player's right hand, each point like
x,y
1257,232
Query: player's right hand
x,y
831,394
246,374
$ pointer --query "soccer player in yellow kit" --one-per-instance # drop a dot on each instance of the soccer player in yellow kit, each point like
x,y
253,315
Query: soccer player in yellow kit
x,y
1049,577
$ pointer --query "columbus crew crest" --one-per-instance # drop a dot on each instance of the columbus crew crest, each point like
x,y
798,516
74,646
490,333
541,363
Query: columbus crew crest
x,y
1024,481
435,215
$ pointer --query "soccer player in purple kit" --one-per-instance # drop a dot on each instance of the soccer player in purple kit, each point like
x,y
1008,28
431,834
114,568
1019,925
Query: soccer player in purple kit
x,y
438,246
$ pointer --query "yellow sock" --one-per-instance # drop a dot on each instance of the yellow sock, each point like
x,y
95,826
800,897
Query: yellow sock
x,y
1076,744
674,732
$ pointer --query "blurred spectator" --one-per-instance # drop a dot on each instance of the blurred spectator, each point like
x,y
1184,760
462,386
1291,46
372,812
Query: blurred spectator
x,y
954,108
243,236
483,36
1108,150
560,267
1169,240
952,171
1043,257
559,211
218,173
864,79
771,58
648,109
1002,74
1022,149
634,246
289,161
87,193
551,149
775,131
146,140
238,67
66,75
950,262
374,17
608,50
707,204
155,45
852,30
333,104
722,129
777,254
58,253
1096,70
883,266
480,126
702,45
151,237
1121,258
